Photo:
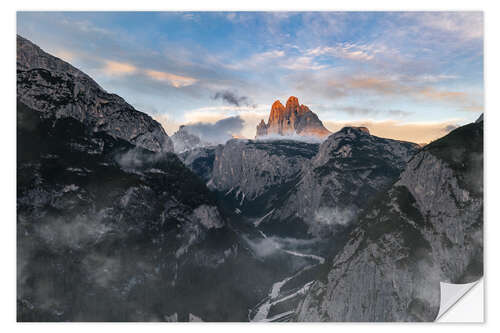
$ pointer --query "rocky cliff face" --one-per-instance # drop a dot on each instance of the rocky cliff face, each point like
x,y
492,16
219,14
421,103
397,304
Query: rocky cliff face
x,y
426,228
349,169
250,168
322,187
56,89
292,119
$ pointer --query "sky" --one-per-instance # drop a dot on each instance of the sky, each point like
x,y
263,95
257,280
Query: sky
x,y
406,75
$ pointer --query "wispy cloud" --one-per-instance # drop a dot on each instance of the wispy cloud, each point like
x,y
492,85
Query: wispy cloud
x,y
464,25
365,111
338,85
256,60
118,68
302,63
351,51
175,80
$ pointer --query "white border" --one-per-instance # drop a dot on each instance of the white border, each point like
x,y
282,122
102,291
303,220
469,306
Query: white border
x,y
7,174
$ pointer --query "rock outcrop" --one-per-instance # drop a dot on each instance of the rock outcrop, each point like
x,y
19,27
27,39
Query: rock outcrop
x,y
426,229
184,141
56,89
292,119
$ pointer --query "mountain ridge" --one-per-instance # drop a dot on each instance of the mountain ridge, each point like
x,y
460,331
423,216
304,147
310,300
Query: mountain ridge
x,y
55,88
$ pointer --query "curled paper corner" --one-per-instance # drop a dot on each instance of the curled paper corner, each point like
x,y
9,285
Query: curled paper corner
x,y
455,302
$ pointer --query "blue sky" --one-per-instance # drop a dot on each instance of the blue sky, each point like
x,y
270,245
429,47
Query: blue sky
x,y
406,75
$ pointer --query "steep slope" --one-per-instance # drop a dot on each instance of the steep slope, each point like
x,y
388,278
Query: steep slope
x,y
350,168
100,220
108,231
292,119
254,177
426,228
253,167
302,197
55,88
200,160
112,227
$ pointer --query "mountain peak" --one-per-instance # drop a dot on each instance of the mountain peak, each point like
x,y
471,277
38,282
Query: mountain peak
x,y
293,118
277,107
292,102
277,104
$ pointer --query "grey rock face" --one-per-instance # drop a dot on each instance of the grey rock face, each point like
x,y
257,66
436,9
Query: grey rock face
x,y
321,189
349,169
426,229
51,86
253,167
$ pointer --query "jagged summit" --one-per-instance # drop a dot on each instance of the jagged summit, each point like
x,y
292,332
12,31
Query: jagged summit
x,y
53,87
293,118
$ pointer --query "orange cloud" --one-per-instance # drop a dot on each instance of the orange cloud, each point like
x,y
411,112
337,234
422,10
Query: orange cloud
x,y
399,87
118,68
175,80
443,95
65,55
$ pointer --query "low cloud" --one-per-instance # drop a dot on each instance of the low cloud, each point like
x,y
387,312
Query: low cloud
x,y
74,234
294,137
218,132
333,216
263,247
